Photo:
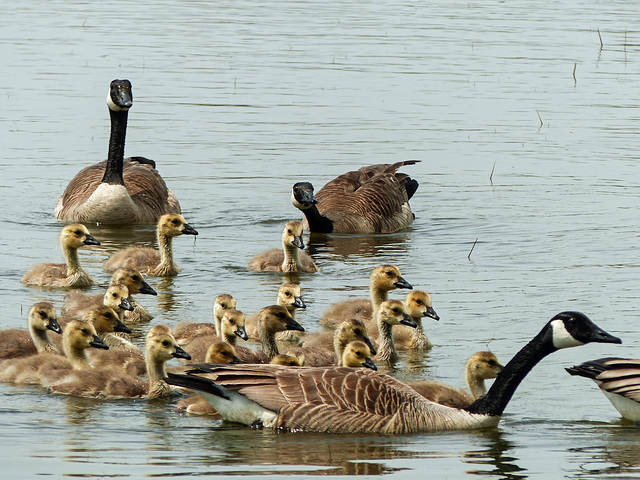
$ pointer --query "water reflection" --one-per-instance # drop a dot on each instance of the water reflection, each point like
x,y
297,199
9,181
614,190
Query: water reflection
x,y
350,247
493,457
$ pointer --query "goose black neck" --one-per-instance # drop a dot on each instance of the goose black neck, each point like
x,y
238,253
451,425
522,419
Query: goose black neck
x,y
503,388
318,223
113,171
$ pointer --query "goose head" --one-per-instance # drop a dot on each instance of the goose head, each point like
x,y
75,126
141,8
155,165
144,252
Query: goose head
x,y
79,335
289,296
387,277
572,329
302,196
288,360
292,234
42,317
76,235
223,302
105,320
233,323
418,304
393,312
358,354
120,97
133,280
353,330
116,297
484,365
274,319
173,225
161,346
221,352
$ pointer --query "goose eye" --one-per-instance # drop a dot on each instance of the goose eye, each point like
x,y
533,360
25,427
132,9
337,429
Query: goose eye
x,y
166,343
136,278
85,331
232,321
419,302
492,363
107,315
175,221
394,310
223,305
357,331
389,273
287,294
78,232
42,314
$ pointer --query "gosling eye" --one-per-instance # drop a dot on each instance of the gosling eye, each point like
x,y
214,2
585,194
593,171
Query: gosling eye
x,y
287,294
42,314
85,331
223,305
175,221
232,321
78,232
289,232
492,363
389,273
108,315
166,343
419,302
357,331
395,310
136,278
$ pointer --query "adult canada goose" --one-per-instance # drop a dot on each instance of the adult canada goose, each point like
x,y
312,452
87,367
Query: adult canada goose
x,y
481,366
160,347
118,190
149,260
619,380
383,279
232,326
15,343
373,199
343,400
187,331
290,259
389,314
289,297
418,304
71,274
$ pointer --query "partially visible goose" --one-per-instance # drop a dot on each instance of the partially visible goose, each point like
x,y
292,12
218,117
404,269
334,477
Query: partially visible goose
x,y
118,190
160,347
373,199
418,304
232,326
71,274
288,360
289,297
481,366
149,260
77,305
344,400
187,331
382,280
15,343
291,258
389,314
358,355
619,380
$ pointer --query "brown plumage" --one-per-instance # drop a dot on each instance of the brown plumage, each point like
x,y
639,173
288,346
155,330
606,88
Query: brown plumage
x,y
71,274
289,297
77,304
389,314
373,199
481,366
418,304
16,343
187,331
149,260
382,280
232,326
118,190
290,259
357,355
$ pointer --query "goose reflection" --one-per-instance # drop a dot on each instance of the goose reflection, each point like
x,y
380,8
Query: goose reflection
x,y
493,458
366,246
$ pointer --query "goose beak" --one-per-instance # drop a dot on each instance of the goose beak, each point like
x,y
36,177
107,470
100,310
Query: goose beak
x,y
180,353
189,230
121,327
120,94
402,283
54,326
235,360
98,343
303,194
147,290
125,304
432,313
298,242
408,321
293,325
90,240
368,363
600,336
367,340
298,303
242,333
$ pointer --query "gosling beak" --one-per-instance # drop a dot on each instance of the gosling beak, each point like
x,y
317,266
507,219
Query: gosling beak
x,y
298,242
54,326
180,353
189,230
402,283
235,360
98,343
298,303
367,340
121,327
125,304
242,332
90,240
432,313
368,363
147,290
293,325
408,321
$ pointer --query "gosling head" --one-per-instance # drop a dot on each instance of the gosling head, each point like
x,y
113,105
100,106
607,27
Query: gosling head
x,y
221,352
120,97
278,319
302,196
75,236
418,304
161,346
233,323
354,330
288,360
484,365
105,320
223,302
289,296
79,335
393,312
42,317
358,354
292,234
133,280
387,277
173,224
117,298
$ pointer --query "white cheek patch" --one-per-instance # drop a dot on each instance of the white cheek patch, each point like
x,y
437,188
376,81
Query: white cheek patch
x,y
297,204
561,337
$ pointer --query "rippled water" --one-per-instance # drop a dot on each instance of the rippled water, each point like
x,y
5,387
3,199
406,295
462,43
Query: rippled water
x,y
527,129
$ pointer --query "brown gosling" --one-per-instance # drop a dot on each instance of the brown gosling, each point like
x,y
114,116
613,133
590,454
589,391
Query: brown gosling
x,y
389,314
289,297
149,260
382,280
419,305
77,305
357,355
481,366
16,343
71,274
290,259
232,328
288,360
186,331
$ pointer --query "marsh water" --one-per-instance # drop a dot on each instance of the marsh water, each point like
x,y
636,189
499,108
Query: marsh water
x,y
525,118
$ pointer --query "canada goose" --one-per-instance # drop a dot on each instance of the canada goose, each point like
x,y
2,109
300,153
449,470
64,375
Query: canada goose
x,y
289,297
418,304
480,367
160,346
356,355
232,326
185,332
389,314
341,400
147,259
373,199
271,320
77,304
288,360
382,280
71,274
15,343
619,380
290,259
118,190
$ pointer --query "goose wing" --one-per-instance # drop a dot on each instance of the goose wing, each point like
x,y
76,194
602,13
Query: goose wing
x,y
147,188
614,375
